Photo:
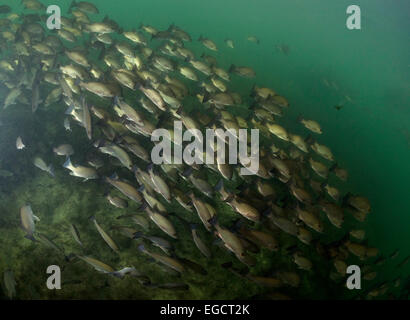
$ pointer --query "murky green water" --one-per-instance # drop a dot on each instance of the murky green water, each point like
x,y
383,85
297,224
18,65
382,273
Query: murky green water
x,y
366,71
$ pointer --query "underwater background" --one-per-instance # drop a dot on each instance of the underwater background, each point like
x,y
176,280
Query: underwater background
x,y
368,72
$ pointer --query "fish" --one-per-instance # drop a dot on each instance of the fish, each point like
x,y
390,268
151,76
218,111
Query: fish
x,y
84,6
260,238
4,9
5,173
199,243
67,125
283,48
138,219
39,163
199,183
120,83
279,131
311,125
19,144
170,286
117,152
168,261
76,234
253,39
202,210
153,96
86,118
9,280
311,219
127,271
99,27
334,213
230,240
97,265
302,262
64,150
162,222
161,243
208,43
48,242
12,97
230,43
28,221
78,57
244,209
105,235
242,71
159,184
323,151
102,90
117,202
80,171
129,111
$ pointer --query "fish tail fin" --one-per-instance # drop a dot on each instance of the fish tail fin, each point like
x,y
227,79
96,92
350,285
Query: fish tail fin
x,y
231,68
51,170
67,164
116,100
137,235
143,206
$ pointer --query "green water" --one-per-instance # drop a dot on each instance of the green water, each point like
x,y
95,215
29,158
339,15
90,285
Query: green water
x,y
369,136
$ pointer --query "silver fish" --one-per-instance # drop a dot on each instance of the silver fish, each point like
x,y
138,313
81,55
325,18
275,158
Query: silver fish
x,y
27,221
19,144
80,171
39,163
10,284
